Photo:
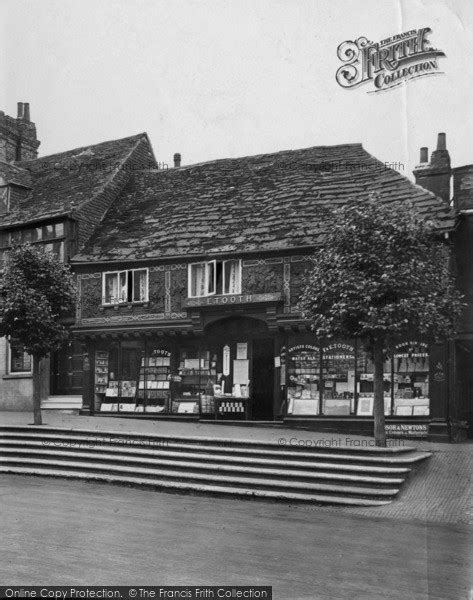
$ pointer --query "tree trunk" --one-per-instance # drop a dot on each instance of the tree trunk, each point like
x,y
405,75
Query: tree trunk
x,y
378,407
36,391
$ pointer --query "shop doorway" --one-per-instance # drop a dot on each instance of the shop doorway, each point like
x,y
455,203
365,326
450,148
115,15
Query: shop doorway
x,y
67,369
262,380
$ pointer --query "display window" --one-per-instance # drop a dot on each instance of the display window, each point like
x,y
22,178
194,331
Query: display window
x,y
411,379
303,379
130,377
365,385
338,375
338,379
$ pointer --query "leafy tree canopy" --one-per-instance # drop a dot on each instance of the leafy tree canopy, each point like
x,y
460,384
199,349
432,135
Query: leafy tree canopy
x,y
36,293
382,274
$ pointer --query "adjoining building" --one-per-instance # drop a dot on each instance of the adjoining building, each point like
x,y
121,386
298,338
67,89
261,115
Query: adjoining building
x,y
189,293
56,201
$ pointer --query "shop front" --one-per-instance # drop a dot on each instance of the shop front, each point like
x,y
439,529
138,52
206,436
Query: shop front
x,y
333,384
227,372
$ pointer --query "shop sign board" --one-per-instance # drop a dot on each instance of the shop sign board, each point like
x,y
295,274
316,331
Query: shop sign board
x,y
415,430
232,299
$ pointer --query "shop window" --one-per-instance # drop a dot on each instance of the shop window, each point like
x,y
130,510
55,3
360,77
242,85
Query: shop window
x,y
19,360
338,375
125,286
411,379
365,385
303,384
214,277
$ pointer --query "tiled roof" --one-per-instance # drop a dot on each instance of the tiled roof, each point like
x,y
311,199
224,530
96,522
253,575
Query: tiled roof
x,y
62,182
258,203
13,174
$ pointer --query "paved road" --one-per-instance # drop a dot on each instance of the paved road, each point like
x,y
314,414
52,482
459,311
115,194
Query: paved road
x,y
57,532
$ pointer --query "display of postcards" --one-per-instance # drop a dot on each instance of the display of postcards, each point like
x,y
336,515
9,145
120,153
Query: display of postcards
x,y
101,380
101,370
111,392
127,407
128,392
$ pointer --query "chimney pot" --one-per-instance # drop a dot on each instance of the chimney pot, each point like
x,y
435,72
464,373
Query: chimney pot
x,y
424,155
26,111
20,110
177,160
442,141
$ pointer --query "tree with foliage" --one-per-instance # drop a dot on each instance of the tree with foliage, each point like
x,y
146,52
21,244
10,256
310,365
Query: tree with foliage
x,y
382,274
36,293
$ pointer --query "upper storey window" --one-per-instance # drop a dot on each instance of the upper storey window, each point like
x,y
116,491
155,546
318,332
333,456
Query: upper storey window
x,y
4,197
214,277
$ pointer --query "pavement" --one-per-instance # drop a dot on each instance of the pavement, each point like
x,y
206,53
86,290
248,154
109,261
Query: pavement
x,y
440,490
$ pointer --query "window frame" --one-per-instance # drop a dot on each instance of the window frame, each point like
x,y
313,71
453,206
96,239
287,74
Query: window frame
x,y
127,272
207,264
9,354
238,260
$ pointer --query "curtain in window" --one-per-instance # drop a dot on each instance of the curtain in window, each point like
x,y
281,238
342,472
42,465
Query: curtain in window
x,y
111,288
139,286
198,279
232,277
123,287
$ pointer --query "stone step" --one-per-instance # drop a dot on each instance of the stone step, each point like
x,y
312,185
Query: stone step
x,y
214,441
245,468
208,466
224,479
216,456
243,447
200,488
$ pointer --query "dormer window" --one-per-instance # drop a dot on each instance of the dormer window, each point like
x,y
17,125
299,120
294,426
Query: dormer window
x,y
4,196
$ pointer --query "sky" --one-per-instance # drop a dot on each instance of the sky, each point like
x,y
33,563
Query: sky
x,y
225,78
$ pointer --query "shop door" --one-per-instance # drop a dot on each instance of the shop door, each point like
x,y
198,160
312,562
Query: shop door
x,y
262,380
67,370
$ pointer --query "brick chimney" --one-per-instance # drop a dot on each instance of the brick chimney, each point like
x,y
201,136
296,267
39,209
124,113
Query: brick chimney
x,y
177,160
435,175
463,188
18,139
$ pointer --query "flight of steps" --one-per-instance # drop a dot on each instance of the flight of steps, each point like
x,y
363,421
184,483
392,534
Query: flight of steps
x,y
239,468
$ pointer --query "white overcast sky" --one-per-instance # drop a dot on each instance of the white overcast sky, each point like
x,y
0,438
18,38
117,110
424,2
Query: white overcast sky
x,y
224,78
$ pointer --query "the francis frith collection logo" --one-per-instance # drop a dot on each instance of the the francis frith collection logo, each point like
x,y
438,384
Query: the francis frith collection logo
x,y
388,63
